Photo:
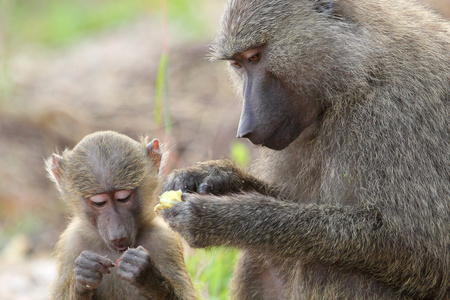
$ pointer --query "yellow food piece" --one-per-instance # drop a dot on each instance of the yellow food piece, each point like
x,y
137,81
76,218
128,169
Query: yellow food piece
x,y
168,199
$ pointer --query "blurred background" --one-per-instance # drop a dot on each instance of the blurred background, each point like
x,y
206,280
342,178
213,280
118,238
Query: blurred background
x,y
71,67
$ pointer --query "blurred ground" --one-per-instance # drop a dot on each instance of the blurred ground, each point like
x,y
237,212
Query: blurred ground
x,y
105,82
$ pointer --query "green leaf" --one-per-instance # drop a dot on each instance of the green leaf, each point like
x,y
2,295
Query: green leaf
x,y
162,95
211,270
240,154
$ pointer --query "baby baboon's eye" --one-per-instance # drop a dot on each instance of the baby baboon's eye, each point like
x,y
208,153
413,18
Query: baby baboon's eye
x,y
99,200
123,196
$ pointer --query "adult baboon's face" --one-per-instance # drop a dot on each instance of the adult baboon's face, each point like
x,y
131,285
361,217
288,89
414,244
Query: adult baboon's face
x,y
288,59
273,115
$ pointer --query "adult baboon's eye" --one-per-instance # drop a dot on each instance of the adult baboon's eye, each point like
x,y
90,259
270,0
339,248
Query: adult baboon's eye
x,y
254,58
236,64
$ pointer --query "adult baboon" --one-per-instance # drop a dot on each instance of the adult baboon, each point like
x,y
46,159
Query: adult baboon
x,y
350,196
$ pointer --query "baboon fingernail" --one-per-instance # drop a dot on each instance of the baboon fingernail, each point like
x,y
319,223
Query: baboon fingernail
x,y
204,188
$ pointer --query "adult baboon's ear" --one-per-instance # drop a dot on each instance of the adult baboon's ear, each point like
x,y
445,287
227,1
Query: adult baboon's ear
x,y
154,153
325,6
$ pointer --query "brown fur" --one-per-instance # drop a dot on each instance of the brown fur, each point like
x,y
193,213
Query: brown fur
x,y
104,162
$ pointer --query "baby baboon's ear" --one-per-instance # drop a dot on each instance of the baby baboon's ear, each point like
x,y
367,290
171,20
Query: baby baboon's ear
x,y
54,168
154,153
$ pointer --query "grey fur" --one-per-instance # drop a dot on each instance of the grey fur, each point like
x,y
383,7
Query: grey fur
x,y
359,203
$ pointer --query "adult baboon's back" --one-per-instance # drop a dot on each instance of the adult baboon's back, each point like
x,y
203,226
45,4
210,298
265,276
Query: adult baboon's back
x,y
354,203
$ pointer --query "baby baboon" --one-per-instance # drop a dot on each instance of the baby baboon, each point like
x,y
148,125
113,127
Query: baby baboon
x,y
350,196
110,183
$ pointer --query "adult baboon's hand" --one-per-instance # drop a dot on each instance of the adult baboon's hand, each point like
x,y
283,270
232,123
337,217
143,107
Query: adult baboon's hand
x,y
217,177
195,219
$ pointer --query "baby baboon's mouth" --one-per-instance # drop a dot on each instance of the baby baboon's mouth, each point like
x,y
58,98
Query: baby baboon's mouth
x,y
120,246
121,249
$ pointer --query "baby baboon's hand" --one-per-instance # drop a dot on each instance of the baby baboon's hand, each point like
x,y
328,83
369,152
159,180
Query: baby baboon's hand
x,y
134,265
217,177
89,270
